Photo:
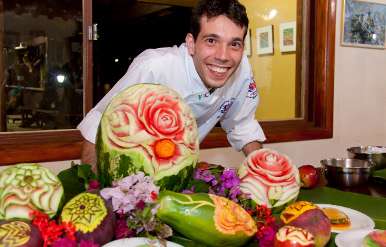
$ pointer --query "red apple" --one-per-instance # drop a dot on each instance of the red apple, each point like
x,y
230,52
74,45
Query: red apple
x,y
309,176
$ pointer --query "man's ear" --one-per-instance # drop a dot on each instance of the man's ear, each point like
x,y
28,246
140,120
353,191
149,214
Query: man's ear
x,y
189,40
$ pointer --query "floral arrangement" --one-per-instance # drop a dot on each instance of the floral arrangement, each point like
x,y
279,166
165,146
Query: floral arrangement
x,y
134,201
215,179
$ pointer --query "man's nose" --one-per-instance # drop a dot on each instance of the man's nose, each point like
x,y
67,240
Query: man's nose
x,y
222,52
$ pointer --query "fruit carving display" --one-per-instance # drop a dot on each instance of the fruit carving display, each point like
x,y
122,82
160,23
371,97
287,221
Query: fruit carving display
x,y
208,219
290,236
19,234
28,187
92,217
269,178
147,128
308,216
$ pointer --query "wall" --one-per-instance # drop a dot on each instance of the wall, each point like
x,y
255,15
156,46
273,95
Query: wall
x,y
275,73
359,108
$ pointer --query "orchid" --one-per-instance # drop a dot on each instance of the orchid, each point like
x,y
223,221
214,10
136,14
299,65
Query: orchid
x,y
134,200
130,191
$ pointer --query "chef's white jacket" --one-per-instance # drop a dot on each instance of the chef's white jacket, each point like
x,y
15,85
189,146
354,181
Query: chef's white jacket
x,y
234,104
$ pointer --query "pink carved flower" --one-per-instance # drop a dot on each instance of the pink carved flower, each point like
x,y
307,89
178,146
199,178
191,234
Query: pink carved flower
x,y
269,177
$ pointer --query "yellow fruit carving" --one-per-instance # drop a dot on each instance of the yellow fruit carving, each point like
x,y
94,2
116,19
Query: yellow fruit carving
x,y
85,211
295,210
230,218
14,233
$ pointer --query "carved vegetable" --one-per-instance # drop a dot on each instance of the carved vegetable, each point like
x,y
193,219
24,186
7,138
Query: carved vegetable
x,y
92,217
148,128
269,178
28,187
205,218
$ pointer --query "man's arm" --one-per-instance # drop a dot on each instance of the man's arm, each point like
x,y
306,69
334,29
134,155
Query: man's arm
x,y
88,154
250,147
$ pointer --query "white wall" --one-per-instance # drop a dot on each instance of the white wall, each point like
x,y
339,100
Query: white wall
x,y
359,108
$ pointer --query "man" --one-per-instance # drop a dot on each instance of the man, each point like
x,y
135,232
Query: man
x,y
209,71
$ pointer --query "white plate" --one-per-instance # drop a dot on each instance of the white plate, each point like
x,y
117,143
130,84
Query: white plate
x,y
358,220
351,238
134,242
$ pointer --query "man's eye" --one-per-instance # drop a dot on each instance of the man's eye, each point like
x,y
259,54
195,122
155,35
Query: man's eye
x,y
210,41
237,45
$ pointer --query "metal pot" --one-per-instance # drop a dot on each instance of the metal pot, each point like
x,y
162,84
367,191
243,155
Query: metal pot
x,y
347,172
376,154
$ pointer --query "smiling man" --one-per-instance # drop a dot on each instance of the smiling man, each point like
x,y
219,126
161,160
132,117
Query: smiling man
x,y
209,71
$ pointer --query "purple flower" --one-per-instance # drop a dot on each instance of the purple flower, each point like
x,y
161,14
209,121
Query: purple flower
x,y
87,243
229,178
204,175
64,242
189,191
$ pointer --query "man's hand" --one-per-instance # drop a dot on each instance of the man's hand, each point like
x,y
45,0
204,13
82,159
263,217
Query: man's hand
x,y
88,154
250,147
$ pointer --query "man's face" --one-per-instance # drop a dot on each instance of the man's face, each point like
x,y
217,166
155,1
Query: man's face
x,y
218,49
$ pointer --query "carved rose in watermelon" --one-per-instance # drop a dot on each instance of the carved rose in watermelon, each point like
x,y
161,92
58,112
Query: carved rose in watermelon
x,y
269,178
148,128
28,187
208,219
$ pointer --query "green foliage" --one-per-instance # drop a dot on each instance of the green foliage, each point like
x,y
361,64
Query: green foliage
x,y
75,179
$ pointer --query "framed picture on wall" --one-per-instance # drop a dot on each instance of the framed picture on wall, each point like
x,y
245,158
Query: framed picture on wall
x,y
363,23
288,36
247,43
264,37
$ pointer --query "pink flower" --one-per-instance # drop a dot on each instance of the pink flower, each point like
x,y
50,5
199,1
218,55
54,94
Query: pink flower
x,y
93,184
64,242
87,243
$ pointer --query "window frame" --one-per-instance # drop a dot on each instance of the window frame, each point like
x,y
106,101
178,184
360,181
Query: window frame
x,y
56,145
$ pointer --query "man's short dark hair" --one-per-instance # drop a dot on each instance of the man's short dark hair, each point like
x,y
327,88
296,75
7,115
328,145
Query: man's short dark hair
x,y
212,8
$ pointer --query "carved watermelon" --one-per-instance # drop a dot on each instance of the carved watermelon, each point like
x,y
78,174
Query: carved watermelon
x,y
269,178
28,187
207,219
147,128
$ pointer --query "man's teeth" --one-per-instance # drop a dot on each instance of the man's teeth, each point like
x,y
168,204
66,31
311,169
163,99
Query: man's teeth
x,y
218,69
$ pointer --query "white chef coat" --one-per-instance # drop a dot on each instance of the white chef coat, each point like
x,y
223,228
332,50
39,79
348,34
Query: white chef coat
x,y
234,104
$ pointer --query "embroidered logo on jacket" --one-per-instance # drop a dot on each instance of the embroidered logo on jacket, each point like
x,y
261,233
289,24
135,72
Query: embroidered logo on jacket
x,y
226,105
252,92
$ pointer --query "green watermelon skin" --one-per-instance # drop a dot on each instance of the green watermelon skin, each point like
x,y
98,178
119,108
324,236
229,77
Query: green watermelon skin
x,y
192,216
133,149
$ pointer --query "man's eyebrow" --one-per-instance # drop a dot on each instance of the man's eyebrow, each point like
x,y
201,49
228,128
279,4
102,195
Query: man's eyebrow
x,y
213,35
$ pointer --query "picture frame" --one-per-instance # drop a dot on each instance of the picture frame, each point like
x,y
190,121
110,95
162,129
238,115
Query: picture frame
x,y
288,36
363,24
247,44
264,36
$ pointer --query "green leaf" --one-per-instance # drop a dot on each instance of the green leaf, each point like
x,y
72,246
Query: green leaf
x,y
85,173
72,185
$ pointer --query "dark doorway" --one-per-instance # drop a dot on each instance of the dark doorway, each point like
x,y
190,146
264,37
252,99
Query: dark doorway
x,y
128,27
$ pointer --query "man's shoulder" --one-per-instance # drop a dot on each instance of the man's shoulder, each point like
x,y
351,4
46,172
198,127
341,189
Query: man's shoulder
x,y
163,56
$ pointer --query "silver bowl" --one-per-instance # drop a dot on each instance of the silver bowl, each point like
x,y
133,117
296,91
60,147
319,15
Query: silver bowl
x,y
376,154
347,172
